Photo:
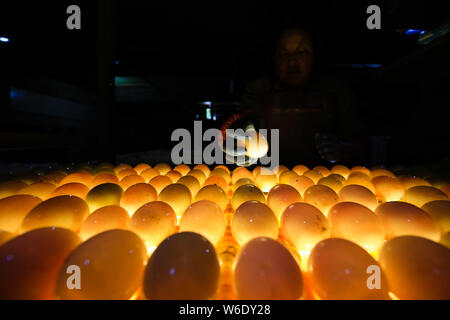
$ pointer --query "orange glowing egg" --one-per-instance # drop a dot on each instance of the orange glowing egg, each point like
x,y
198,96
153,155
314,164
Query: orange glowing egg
x,y
421,195
301,183
149,174
256,146
416,268
154,222
279,170
446,190
54,177
14,209
199,175
341,270
221,173
174,176
313,175
203,168
303,225
321,197
162,168
266,270
218,181
361,182
5,236
111,265
10,188
241,173
409,182
360,175
282,196
136,196
184,267
242,182
439,210
31,262
125,173
300,169
324,171
286,177
224,168
257,171
141,168
66,212
381,172
388,189
121,167
42,190
160,182
104,178
357,223
183,169
205,218
358,194
177,196
342,170
252,220
331,182
361,169
192,184
108,194
266,181
401,219
246,193
130,181
104,165
214,194
104,219
71,189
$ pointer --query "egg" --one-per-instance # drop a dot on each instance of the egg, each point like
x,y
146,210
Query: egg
x,y
104,178
105,165
214,194
103,195
125,173
266,270
64,212
445,240
242,182
174,176
162,168
313,175
408,182
104,219
247,193
71,189
280,197
360,175
223,167
204,169
357,223
160,182
199,175
341,270
331,182
30,263
130,181
300,169
136,196
446,190
358,194
321,197
266,181
218,181
421,195
182,169
14,209
341,170
401,218
439,211
301,183
361,182
205,218
279,170
111,267
361,169
324,171
42,190
380,172
287,176
177,196
10,188
388,189
191,183
221,172
241,173
416,268
149,174
154,222
141,168
184,267
5,236
251,220
121,167
77,177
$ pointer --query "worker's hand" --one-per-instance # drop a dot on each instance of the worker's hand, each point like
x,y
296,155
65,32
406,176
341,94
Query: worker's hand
x,y
328,146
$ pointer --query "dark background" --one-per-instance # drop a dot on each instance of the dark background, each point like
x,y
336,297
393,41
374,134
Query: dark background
x,y
137,70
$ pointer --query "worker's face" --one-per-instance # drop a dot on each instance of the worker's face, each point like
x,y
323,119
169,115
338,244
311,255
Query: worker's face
x,y
293,59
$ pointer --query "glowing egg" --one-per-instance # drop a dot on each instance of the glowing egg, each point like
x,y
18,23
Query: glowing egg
x,y
174,176
358,194
184,267
342,170
360,175
104,171
105,165
141,168
130,181
301,183
224,167
388,189
266,270
14,209
361,169
242,182
279,170
162,168
409,182
77,177
257,171
136,196
361,182
111,265
71,189
64,212
192,184
313,175
401,219
341,270
205,218
5,236
416,268
149,174
282,196
421,195
446,190
31,262
214,194
54,177
221,173
199,175
266,181
177,196
104,219
108,194
303,225
256,146
125,173
241,173
439,210
300,169
42,190
121,167
357,223
182,169
10,188
253,219
203,168
332,183
247,193
218,181
160,182
154,222
321,197
381,172
324,171
286,177
104,178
